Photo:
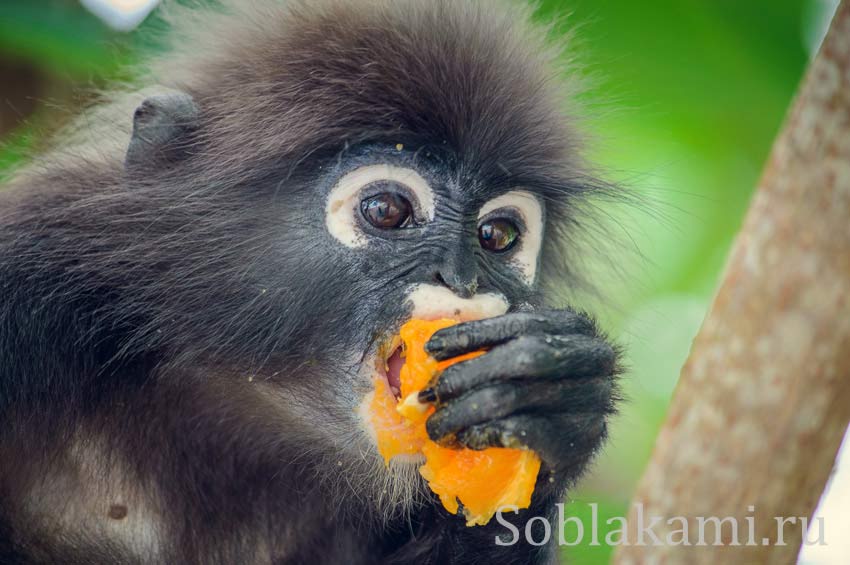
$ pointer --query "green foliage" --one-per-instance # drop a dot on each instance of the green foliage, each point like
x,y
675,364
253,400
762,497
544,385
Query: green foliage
x,y
59,37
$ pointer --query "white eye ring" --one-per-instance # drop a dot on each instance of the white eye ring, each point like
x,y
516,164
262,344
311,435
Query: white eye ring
x,y
344,199
527,255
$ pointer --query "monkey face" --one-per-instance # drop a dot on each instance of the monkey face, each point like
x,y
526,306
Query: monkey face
x,y
429,239
389,232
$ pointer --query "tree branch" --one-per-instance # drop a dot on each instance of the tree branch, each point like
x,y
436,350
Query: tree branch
x,y
764,399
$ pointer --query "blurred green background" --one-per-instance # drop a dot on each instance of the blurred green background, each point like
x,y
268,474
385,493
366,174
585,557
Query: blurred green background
x,y
686,97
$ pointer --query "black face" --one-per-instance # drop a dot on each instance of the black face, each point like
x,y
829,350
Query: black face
x,y
455,248
403,242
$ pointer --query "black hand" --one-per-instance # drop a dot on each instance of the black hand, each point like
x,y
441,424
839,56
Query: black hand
x,y
550,357
545,384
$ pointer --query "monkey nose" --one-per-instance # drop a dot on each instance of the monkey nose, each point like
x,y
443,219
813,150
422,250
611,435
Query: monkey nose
x,y
464,287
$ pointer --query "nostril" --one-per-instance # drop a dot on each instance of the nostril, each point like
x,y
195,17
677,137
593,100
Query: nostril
x,y
438,277
463,289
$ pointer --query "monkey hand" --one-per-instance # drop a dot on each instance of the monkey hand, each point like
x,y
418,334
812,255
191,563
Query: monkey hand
x,y
547,383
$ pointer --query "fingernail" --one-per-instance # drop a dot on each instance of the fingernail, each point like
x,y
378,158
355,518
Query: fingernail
x,y
427,395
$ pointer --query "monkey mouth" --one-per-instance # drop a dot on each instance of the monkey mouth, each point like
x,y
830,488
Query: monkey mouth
x,y
391,360
429,303
394,365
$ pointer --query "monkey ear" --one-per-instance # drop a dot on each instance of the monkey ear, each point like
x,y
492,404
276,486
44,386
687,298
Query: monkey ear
x,y
162,130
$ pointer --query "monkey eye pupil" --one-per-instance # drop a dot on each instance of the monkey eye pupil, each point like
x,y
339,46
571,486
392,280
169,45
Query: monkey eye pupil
x,y
498,235
386,210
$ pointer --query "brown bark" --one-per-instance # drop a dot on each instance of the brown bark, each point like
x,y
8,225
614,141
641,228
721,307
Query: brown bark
x,y
764,398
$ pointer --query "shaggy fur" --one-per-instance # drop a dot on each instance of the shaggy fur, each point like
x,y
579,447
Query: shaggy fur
x,y
178,344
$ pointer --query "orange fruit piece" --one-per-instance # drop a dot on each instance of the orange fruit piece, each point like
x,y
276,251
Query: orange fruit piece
x,y
483,481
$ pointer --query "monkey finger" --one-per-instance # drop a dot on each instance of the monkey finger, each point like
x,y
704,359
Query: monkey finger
x,y
498,401
562,441
472,336
574,356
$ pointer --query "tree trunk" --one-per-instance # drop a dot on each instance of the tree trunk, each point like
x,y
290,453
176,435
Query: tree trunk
x,y
764,399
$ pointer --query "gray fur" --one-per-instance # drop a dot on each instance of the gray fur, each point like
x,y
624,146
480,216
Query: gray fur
x,y
191,310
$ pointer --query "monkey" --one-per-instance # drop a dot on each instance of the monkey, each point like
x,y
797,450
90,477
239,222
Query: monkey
x,y
197,277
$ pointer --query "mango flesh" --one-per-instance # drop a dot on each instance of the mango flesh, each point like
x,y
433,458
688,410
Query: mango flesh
x,y
483,481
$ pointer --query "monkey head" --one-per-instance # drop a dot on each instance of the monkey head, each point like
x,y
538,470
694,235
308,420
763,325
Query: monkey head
x,y
340,178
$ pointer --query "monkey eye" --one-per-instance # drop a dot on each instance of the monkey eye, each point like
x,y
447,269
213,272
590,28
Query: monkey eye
x,y
498,235
386,210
